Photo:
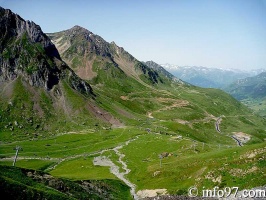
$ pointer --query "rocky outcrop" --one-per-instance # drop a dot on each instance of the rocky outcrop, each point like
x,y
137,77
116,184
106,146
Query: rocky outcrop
x,y
14,27
18,183
85,189
27,52
78,84
149,73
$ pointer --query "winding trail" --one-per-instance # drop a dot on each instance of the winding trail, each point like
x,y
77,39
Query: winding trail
x,y
239,143
217,123
217,127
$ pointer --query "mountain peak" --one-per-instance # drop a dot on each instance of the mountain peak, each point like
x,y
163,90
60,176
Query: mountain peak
x,y
161,69
79,28
81,40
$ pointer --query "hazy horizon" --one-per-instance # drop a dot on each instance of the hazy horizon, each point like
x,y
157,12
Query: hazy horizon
x,y
215,34
213,67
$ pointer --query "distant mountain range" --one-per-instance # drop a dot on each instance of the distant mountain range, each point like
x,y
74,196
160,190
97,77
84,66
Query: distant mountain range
x,y
251,87
251,91
209,77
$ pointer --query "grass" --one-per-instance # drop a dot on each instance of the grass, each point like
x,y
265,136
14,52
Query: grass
x,y
199,154
187,167
82,169
20,109
19,183
71,144
57,127
35,164
258,105
35,113
15,184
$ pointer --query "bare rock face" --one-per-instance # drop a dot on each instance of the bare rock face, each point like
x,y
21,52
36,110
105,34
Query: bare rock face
x,y
83,41
82,46
13,25
27,52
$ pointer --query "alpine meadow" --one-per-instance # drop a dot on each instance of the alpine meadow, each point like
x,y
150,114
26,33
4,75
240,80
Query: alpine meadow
x,y
88,120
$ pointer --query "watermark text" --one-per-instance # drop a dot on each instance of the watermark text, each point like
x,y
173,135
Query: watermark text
x,y
226,192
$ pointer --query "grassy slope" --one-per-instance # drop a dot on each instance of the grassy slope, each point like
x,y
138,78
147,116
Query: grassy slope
x,y
178,171
204,106
258,105
251,91
187,167
193,105
35,113
177,110
17,184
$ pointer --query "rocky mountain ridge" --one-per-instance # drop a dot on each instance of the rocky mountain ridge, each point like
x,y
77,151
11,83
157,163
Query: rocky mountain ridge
x,y
83,51
160,69
26,51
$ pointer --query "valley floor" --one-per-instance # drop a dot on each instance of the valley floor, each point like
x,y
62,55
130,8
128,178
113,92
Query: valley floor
x,y
167,141
131,154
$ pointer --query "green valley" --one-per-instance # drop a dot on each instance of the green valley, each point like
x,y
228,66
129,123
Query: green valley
x,y
251,92
111,127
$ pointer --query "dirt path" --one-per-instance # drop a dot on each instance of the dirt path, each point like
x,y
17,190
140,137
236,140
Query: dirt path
x,y
9,87
150,115
217,127
217,123
239,143
176,103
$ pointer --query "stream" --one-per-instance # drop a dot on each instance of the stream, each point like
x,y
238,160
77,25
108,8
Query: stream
x,y
114,169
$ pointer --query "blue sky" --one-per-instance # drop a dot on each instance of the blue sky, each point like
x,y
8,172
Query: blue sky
x,y
211,33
